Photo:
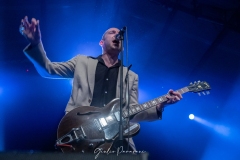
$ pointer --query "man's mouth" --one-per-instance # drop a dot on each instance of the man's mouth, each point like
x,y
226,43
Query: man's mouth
x,y
115,42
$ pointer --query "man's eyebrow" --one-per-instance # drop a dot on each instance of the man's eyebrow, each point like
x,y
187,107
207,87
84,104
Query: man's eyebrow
x,y
111,31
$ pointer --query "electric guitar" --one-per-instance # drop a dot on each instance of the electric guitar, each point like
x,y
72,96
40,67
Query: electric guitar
x,y
86,128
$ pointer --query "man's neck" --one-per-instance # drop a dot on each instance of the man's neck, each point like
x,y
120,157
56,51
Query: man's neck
x,y
109,60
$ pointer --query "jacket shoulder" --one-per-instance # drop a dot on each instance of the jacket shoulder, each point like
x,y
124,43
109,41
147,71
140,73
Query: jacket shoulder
x,y
81,57
133,74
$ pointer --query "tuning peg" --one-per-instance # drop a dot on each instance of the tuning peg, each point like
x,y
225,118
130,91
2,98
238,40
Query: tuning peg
x,y
208,92
195,82
199,81
199,94
191,83
204,93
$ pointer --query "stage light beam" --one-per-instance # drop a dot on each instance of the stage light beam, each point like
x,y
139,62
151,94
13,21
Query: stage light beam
x,y
221,129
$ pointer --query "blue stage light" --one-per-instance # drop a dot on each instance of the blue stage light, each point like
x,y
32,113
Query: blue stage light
x,y
191,116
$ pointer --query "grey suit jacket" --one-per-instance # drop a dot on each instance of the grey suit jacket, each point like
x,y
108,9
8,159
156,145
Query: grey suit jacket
x,y
82,70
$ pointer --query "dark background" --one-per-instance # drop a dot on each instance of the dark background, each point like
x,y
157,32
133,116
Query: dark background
x,y
171,43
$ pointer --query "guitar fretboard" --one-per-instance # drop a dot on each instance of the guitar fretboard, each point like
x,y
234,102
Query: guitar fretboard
x,y
141,107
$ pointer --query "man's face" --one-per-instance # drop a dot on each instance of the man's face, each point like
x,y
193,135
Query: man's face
x,y
109,42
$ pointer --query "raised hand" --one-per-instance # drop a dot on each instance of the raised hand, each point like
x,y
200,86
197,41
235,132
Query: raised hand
x,y
31,31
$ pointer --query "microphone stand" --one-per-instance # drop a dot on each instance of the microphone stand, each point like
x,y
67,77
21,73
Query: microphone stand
x,y
121,33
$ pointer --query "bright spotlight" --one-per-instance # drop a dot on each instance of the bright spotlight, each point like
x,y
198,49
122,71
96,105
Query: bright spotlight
x,y
191,116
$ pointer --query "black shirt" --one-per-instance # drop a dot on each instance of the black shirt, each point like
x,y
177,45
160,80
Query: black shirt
x,y
105,83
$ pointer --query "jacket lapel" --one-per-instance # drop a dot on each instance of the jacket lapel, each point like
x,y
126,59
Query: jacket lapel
x,y
118,82
91,69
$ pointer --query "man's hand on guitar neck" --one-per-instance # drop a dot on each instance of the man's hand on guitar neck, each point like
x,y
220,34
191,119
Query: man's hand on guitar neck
x,y
172,96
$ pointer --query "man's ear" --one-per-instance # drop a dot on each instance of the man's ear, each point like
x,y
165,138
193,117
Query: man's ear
x,y
101,43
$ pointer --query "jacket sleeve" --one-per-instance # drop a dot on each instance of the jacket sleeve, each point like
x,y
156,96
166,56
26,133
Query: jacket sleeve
x,y
45,67
150,114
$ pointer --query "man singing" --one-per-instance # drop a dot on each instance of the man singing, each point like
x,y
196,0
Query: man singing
x,y
96,81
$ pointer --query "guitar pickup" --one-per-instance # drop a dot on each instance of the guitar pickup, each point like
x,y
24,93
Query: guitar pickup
x,y
103,122
97,124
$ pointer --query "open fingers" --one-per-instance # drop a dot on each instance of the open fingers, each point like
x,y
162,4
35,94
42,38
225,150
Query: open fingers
x,y
25,22
33,24
24,25
38,26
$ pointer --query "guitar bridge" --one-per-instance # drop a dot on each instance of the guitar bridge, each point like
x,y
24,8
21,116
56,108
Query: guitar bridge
x,y
84,134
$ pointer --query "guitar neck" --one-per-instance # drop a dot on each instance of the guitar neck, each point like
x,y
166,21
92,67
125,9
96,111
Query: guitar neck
x,y
141,107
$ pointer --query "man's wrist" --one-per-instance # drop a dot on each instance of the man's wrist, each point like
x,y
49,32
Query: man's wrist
x,y
34,43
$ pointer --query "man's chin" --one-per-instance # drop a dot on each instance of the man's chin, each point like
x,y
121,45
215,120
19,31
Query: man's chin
x,y
116,48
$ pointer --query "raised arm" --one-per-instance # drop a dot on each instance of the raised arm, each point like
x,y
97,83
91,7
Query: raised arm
x,y
37,55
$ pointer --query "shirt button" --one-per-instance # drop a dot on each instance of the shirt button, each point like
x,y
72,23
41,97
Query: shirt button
x,y
89,100
107,79
105,91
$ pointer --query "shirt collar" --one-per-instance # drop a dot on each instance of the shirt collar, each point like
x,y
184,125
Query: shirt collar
x,y
99,58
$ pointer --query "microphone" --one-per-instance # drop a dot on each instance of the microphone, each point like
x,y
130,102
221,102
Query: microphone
x,y
119,36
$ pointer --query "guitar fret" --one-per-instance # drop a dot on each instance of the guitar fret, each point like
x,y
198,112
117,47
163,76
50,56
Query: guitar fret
x,y
141,107
133,110
160,99
130,111
145,105
149,104
182,90
138,109
179,91
125,114
153,102
165,98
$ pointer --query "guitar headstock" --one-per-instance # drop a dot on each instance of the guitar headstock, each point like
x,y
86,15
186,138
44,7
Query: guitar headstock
x,y
198,87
